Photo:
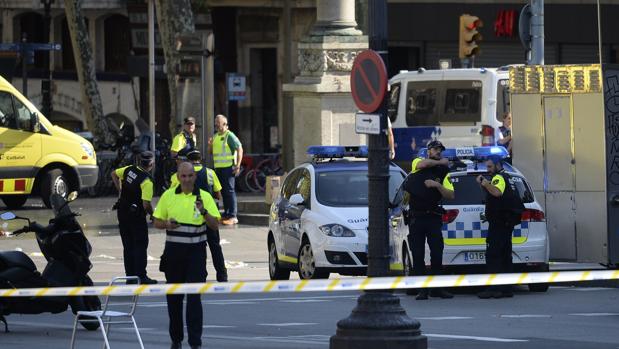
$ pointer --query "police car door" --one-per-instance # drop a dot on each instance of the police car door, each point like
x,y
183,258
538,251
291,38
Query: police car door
x,y
283,205
292,236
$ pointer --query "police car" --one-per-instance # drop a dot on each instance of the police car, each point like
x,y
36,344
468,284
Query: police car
x,y
464,226
318,223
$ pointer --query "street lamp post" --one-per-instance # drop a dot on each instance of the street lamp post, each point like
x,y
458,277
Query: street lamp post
x,y
378,320
46,82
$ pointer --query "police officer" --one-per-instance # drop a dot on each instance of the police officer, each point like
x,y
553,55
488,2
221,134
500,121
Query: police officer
x,y
227,155
207,180
186,140
185,212
427,185
135,186
503,212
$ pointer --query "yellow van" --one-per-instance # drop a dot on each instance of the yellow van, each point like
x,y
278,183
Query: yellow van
x,y
37,157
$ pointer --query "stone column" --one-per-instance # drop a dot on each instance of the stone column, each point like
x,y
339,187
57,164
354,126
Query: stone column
x,y
323,109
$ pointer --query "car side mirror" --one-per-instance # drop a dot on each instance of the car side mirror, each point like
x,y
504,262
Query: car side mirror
x,y
7,216
296,199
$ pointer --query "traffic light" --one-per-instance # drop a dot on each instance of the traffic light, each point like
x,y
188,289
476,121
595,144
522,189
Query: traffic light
x,y
469,36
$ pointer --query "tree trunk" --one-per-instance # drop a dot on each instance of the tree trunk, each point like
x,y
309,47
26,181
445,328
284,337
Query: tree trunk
x,y
85,66
173,17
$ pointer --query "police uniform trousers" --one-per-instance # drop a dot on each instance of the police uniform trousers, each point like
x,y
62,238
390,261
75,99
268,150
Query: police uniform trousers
x,y
422,227
185,263
217,254
134,236
499,248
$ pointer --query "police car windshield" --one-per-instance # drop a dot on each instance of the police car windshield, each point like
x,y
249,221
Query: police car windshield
x,y
468,191
349,188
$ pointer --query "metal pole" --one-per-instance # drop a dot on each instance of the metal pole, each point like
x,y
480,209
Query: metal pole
x,y
24,72
46,93
209,128
378,320
537,31
599,32
151,73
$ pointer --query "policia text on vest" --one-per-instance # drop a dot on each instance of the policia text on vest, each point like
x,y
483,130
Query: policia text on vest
x,y
135,186
427,185
185,212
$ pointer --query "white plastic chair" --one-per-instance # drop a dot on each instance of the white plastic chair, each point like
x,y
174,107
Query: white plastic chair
x,y
106,317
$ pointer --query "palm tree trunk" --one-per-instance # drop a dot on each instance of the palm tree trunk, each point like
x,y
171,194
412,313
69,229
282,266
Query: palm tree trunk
x,y
85,66
173,17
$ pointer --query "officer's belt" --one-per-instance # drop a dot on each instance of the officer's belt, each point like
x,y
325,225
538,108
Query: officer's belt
x,y
187,234
426,212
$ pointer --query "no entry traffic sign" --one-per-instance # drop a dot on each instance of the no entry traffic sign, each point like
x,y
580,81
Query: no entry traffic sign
x,y
368,81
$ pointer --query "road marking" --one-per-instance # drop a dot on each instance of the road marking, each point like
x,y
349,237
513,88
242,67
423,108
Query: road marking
x,y
304,300
595,314
590,289
476,338
288,324
292,340
445,318
218,326
234,303
523,316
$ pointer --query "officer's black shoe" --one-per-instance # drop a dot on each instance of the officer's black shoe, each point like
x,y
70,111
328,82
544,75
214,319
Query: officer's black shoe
x,y
196,346
423,295
222,276
412,291
489,294
176,346
132,282
147,281
440,293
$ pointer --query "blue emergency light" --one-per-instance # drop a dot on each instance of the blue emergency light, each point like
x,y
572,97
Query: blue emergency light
x,y
337,151
472,153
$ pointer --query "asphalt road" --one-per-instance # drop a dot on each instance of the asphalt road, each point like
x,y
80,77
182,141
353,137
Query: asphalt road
x,y
565,317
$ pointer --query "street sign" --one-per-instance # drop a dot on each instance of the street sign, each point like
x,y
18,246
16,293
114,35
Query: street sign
x,y
367,123
237,89
368,81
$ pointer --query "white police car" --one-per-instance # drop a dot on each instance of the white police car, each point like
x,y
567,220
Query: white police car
x,y
318,223
464,227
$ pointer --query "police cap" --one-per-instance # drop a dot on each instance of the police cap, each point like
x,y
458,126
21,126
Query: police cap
x,y
190,120
194,155
147,156
436,144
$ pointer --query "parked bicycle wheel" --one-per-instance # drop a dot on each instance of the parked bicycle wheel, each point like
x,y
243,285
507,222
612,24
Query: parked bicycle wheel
x,y
250,181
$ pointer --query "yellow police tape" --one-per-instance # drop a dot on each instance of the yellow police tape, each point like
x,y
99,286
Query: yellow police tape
x,y
347,284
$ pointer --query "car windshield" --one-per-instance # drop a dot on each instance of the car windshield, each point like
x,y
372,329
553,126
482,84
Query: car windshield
x,y
468,192
349,188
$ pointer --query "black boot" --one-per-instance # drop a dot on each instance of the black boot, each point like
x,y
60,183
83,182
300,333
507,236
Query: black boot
x,y
441,293
423,295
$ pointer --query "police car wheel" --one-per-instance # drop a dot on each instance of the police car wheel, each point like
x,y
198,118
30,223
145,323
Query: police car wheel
x,y
276,272
307,264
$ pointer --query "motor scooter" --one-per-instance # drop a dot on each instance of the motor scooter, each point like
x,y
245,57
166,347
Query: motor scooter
x,y
67,251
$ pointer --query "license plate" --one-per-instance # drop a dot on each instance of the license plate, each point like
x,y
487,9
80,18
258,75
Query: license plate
x,y
474,256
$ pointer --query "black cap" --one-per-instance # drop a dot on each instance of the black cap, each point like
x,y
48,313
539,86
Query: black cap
x,y
147,156
190,119
435,144
194,155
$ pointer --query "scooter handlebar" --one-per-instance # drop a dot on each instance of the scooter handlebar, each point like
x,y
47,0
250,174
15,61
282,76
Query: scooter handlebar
x,y
22,230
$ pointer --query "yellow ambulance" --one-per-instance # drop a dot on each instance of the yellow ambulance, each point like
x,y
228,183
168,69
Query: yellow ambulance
x,y
37,157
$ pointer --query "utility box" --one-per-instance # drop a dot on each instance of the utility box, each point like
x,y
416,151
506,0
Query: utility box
x,y
566,143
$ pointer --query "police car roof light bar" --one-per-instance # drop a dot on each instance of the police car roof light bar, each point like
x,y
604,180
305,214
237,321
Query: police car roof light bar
x,y
337,151
472,153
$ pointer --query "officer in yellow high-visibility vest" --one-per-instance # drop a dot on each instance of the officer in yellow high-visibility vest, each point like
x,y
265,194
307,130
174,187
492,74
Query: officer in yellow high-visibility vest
x,y
185,212
227,155
185,141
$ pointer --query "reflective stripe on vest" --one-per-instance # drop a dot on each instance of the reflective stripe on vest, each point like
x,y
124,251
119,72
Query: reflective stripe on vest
x,y
222,154
187,234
